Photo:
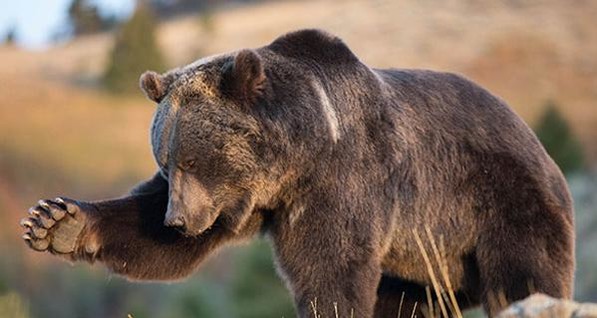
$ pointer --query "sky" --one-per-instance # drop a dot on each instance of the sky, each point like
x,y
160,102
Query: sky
x,y
36,21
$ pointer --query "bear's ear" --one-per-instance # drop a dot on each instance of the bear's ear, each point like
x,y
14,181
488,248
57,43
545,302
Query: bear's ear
x,y
153,85
244,79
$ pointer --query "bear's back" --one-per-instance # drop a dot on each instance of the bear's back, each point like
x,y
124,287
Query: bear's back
x,y
459,125
449,109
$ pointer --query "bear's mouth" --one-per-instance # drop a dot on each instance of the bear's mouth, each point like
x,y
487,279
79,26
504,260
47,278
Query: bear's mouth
x,y
214,227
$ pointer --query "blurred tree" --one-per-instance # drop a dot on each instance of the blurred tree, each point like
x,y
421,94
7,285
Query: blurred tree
x,y
207,21
256,289
559,141
11,36
134,52
85,18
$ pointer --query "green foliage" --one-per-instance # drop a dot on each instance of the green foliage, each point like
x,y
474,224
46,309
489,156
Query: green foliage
x,y
559,141
191,305
248,288
11,305
85,18
257,291
196,298
134,52
3,284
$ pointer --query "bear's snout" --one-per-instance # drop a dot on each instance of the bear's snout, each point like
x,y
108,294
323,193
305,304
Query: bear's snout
x,y
190,220
175,220
175,217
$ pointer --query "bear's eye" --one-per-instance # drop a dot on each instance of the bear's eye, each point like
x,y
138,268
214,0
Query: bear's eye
x,y
188,164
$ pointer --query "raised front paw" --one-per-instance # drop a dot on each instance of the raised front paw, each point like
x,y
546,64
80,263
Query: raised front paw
x,y
54,225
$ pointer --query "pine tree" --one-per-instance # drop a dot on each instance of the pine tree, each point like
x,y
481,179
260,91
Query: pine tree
x,y
85,18
134,52
559,141
11,36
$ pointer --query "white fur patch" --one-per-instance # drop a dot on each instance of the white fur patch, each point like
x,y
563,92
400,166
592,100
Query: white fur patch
x,y
329,112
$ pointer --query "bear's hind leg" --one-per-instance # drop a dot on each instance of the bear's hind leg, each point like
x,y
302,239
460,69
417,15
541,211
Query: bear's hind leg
x,y
521,258
526,234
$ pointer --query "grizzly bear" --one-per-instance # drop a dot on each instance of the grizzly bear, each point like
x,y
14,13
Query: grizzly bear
x,y
336,163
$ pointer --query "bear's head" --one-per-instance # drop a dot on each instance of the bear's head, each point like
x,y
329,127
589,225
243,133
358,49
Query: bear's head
x,y
233,132
204,140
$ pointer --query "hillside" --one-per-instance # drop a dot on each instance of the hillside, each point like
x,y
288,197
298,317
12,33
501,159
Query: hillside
x,y
94,144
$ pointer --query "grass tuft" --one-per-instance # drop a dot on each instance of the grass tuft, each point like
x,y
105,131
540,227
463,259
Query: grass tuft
x,y
446,298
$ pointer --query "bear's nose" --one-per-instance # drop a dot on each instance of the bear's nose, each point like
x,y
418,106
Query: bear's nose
x,y
177,222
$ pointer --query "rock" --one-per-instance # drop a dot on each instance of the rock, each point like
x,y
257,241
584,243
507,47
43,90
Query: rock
x,y
543,306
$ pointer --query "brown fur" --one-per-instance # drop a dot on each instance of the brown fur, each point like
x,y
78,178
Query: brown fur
x,y
336,163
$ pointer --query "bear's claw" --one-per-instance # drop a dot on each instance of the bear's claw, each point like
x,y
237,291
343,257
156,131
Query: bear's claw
x,y
38,245
52,225
68,206
26,223
31,225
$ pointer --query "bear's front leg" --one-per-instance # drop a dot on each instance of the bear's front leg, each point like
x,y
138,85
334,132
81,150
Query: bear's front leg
x,y
332,285
126,234
332,268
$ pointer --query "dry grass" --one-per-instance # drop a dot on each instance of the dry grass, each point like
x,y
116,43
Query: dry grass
x,y
437,288
446,299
